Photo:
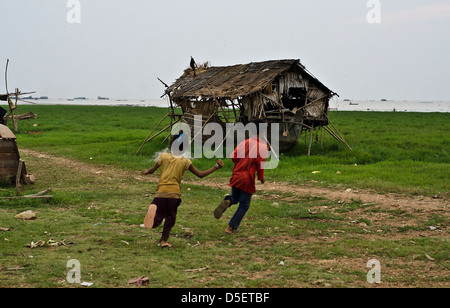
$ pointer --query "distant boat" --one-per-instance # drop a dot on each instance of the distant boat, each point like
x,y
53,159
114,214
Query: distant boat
x,y
383,100
80,98
102,98
353,104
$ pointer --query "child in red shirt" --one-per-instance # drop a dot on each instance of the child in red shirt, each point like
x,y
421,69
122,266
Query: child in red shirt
x,y
248,158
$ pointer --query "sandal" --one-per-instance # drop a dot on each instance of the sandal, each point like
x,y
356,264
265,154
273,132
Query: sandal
x,y
218,212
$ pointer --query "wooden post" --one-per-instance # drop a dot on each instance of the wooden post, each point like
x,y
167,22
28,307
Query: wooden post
x,y
171,112
10,103
310,139
234,110
16,121
19,177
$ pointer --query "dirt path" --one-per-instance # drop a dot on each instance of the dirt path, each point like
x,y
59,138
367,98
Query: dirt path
x,y
413,203
347,195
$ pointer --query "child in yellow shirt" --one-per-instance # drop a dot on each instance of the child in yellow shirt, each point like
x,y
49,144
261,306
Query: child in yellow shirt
x,y
168,194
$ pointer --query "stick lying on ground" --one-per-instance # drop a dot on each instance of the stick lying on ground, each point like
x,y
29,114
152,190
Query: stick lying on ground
x,y
39,195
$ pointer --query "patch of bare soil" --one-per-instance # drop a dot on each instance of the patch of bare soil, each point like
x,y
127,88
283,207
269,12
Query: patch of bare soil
x,y
375,207
422,203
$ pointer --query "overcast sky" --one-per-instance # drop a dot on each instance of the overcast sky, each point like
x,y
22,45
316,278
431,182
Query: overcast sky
x,y
120,47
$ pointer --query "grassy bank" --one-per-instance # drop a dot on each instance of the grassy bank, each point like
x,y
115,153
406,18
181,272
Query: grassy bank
x,y
392,152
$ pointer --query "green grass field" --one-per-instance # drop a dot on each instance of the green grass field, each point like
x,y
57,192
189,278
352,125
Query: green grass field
x,y
100,200
392,151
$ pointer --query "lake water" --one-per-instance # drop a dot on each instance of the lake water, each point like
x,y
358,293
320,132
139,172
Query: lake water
x,y
408,106
100,102
339,105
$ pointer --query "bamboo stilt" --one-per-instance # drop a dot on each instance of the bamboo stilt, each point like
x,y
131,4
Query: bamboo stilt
x,y
337,133
145,140
161,131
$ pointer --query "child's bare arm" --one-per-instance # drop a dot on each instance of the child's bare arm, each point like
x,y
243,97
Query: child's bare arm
x,y
202,174
151,170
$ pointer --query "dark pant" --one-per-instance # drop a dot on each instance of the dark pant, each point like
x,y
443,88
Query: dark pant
x,y
166,210
243,198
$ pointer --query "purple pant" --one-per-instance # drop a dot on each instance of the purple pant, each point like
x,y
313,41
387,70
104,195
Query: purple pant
x,y
166,210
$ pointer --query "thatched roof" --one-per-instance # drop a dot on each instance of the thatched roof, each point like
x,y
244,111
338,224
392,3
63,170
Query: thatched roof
x,y
235,81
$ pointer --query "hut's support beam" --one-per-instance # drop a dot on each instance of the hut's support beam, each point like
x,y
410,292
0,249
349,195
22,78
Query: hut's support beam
x,y
335,136
336,132
159,133
145,140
